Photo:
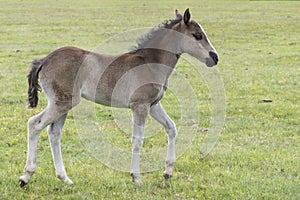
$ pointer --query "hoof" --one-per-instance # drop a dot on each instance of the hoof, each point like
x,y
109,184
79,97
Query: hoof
x,y
68,181
136,180
22,183
167,176
65,179
138,183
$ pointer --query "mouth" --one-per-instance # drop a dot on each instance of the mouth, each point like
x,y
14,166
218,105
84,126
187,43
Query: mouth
x,y
212,60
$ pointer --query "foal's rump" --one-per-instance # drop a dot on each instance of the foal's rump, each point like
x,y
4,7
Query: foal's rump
x,y
57,73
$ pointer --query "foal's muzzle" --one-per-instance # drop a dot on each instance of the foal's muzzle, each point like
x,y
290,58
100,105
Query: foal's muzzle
x,y
212,60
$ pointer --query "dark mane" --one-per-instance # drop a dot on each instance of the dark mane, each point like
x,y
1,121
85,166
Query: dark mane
x,y
153,32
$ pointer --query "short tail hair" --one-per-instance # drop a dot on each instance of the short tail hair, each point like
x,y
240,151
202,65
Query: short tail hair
x,y
33,83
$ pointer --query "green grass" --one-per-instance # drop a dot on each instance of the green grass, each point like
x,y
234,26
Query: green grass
x,y
257,156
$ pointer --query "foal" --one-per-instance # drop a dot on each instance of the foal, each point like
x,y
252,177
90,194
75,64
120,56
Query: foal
x,y
69,73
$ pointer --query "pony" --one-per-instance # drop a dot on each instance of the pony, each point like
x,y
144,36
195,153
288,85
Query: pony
x,y
69,73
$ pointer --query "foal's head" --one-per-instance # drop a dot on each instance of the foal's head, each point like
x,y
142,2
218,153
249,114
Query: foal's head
x,y
195,42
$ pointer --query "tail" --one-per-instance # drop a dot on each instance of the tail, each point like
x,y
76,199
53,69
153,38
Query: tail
x,y
33,83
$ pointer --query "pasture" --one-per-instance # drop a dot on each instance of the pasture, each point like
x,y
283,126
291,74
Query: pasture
x,y
257,155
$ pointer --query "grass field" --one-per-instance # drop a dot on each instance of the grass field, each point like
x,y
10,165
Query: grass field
x,y
257,155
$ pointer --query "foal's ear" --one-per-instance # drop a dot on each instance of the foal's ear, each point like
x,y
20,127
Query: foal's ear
x,y
177,14
187,16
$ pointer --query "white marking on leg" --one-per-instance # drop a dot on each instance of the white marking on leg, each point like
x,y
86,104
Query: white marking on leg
x,y
35,126
159,114
139,115
54,134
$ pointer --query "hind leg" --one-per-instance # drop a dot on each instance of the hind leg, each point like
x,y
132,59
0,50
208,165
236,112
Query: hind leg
x,y
54,134
35,125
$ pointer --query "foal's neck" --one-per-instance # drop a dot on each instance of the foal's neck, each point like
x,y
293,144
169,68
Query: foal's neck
x,y
163,49
160,57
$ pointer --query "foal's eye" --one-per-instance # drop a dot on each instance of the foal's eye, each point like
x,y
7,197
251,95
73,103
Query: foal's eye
x,y
198,36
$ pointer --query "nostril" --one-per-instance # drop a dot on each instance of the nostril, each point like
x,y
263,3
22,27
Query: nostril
x,y
214,56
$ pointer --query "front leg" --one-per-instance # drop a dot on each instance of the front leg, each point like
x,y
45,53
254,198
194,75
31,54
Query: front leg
x,y
160,115
139,115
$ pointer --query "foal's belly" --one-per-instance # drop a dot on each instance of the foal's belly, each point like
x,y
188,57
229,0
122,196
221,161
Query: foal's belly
x,y
123,96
